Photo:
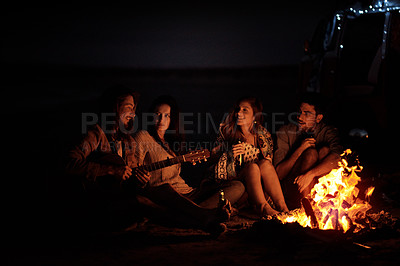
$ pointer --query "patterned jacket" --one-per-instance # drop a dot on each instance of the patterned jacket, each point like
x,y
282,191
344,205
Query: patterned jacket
x,y
226,168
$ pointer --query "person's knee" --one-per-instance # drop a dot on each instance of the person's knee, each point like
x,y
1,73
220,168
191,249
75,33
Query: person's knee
x,y
251,173
234,190
266,165
252,167
310,156
323,152
162,191
238,186
252,170
144,200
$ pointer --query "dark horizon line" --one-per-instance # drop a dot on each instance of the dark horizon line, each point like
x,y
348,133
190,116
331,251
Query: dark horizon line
x,y
16,66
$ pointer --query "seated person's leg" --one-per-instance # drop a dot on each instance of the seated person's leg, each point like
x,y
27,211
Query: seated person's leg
x,y
164,215
307,160
271,185
290,190
209,192
254,187
166,196
322,153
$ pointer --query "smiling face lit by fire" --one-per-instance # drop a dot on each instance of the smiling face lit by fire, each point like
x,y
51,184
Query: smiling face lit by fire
x,y
245,115
308,118
126,111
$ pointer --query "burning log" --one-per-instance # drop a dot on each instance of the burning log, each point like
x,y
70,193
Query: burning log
x,y
335,219
345,205
330,196
326,204
326,218
310,213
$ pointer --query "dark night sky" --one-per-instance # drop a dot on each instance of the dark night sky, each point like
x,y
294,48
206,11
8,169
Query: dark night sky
x,y
163,37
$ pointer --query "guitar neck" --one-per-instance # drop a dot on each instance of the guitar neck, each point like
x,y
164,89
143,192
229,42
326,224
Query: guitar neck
x,y
162,164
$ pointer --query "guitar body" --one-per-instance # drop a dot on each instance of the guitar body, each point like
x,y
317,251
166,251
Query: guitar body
x,y
108,182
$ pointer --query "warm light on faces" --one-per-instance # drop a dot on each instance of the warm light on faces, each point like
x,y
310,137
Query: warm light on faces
x,y
127,110
245,115
162,117
308,117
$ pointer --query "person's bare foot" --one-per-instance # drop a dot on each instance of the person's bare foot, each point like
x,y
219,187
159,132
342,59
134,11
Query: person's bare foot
x,y
266,209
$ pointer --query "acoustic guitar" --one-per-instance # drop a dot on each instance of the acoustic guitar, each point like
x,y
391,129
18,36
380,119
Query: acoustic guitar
x,y
192,157
110,181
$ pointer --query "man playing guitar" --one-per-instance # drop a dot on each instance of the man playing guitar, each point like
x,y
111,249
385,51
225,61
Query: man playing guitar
x,y
120,184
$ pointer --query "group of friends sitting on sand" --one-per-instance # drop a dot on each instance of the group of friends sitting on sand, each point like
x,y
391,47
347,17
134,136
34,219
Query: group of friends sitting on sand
x,y
139,173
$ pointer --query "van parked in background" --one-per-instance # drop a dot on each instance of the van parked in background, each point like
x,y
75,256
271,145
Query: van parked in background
x,y
353,59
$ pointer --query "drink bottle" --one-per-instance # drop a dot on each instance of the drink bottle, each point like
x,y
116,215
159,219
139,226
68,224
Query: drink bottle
x,y
222,200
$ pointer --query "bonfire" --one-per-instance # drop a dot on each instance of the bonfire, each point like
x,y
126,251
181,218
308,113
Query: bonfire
x,y
334,202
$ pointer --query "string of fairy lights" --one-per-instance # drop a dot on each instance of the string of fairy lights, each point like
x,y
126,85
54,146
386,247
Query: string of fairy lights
x,y
385,6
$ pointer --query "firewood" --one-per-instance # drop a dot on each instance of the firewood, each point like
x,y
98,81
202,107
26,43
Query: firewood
x,y
335,219
326,218
345,205
309,211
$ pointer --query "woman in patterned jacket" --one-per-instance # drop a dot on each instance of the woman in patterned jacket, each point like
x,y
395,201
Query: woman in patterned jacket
x,y
245,152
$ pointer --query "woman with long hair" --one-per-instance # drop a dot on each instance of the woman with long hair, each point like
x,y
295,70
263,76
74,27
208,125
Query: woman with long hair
x,y
164,140
167,129
248,156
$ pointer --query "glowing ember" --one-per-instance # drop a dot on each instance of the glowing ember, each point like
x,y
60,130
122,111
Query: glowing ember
x,y
334,201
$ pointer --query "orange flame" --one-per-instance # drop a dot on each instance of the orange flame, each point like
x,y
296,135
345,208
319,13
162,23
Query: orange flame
x,y
335,201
